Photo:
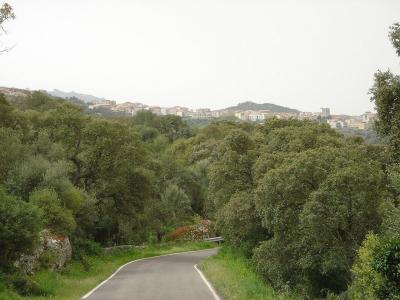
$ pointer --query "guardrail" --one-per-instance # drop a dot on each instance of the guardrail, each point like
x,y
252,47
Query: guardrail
x,y
217,239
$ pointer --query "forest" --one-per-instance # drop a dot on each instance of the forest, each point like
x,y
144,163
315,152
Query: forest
x,y
297,198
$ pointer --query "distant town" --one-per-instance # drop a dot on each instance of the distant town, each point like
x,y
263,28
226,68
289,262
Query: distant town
x,y
363,121
248,111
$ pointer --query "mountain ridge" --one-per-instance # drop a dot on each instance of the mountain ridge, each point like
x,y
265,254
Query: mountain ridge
x,y
247,105
72,94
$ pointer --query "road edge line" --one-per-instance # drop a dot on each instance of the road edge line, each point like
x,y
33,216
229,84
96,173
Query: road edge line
x,y
209,285
132,261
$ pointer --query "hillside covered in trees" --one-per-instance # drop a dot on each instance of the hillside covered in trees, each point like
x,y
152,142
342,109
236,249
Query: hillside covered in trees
x,y
296,197
248,105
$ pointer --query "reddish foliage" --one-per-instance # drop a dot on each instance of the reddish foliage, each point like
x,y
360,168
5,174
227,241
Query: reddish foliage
x,y
195,232
177,233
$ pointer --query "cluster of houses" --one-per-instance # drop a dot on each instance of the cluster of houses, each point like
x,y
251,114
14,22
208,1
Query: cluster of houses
x,y
261,115
362,122
14,92
131,108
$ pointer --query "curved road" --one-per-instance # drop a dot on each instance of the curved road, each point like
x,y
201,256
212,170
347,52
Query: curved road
x,y
169,277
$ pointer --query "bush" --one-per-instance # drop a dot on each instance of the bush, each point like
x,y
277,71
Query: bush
x,y
176,205
377,269
56,217
196,232
47,282
387,263
366,279
178,233
20,224
239,223
82,248
24,285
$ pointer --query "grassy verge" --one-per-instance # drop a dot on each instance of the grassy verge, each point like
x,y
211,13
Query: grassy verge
x,y
78,278
232,277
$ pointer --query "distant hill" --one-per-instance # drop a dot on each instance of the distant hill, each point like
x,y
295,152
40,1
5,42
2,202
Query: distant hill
x,y
67,95
261,106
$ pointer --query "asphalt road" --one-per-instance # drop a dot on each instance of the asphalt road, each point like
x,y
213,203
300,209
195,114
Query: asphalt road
x,y
171,277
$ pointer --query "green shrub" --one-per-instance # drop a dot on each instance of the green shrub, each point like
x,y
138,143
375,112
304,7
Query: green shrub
x,y
239,223
25,285
83,247
387,263
19,228
377,269
366,279
42,283
86,263
56,217
47,282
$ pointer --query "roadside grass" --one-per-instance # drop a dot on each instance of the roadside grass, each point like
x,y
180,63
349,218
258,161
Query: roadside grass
x,y
232,277
80,277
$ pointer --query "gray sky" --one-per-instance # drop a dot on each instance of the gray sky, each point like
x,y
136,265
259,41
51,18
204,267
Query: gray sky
x,y
206,53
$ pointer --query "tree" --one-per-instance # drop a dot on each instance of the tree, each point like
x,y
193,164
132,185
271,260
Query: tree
x,y
56,218
386,96
27,176
173,127
386,263
5,111
6,14
239,223
231,172
12,151
176,205
20,223
146,118
366,280
376,269
280,197
334,222
113,158
317,205
394,35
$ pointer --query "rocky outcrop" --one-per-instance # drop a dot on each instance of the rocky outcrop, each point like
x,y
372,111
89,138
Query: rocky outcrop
x,y
54,251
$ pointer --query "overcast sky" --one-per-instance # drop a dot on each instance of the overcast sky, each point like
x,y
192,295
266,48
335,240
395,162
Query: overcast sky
x,y
302,54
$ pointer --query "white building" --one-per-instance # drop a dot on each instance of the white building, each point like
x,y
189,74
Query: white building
x,y
368,117
256,116
335,123
325,112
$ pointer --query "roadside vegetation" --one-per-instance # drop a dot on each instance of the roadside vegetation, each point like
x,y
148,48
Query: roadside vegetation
x,y
232,275
81,276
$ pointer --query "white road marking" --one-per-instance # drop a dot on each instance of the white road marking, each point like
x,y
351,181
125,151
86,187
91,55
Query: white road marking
x,y
146,258
209,285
